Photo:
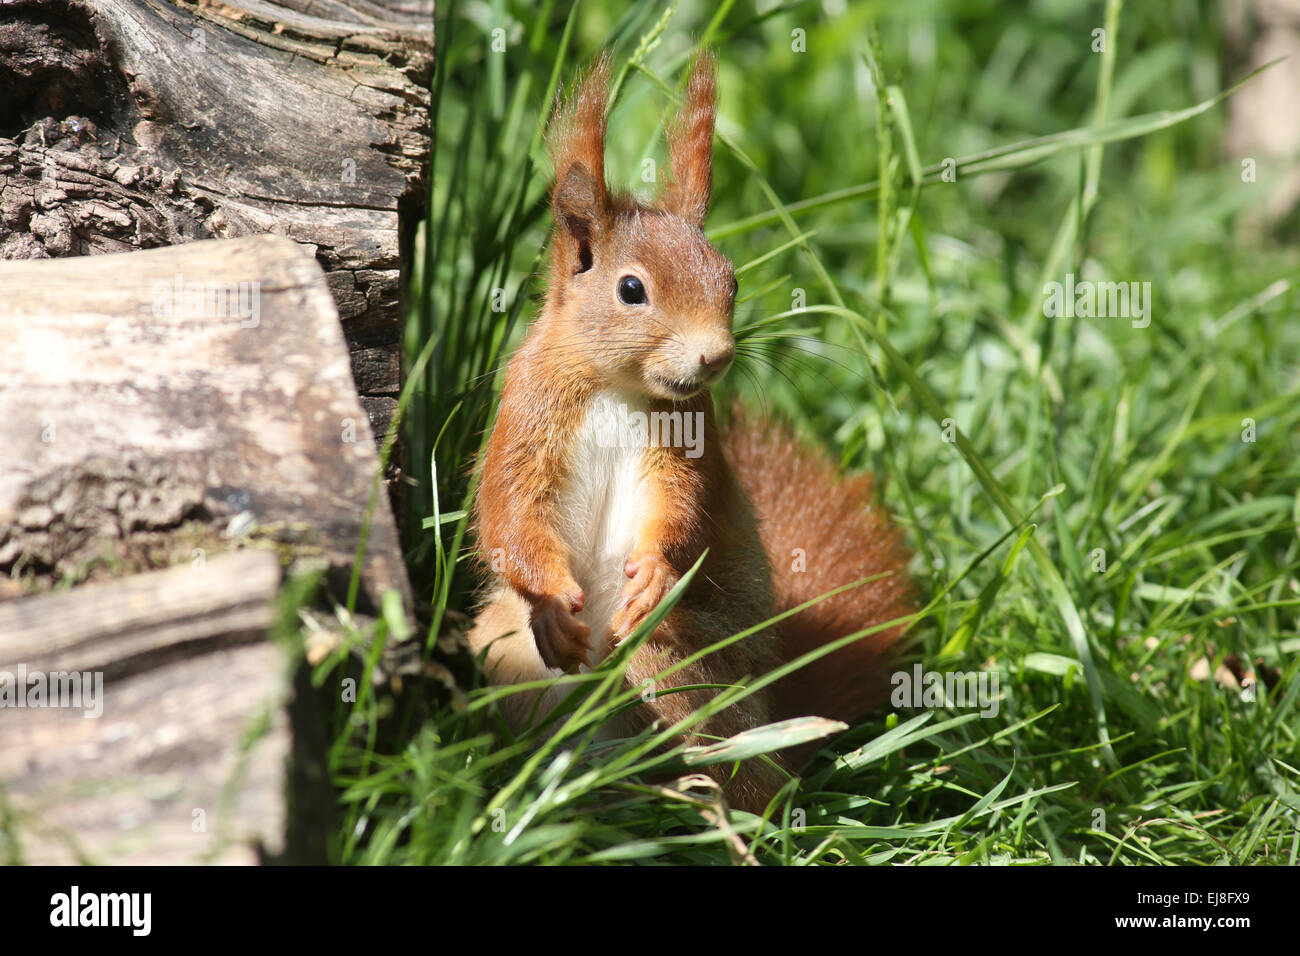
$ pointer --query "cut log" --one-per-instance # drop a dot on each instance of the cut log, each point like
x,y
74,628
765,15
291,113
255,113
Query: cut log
x,y
160,407
143,619
133,124
145,719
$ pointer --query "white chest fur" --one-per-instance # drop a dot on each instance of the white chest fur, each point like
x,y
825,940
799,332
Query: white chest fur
x,y
603,503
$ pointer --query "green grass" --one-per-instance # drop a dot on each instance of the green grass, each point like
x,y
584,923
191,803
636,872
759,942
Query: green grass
x,y
1084,511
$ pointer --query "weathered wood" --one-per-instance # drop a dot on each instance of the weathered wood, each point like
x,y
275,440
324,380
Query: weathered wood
x,y
180,755
132,124
158,407
126,626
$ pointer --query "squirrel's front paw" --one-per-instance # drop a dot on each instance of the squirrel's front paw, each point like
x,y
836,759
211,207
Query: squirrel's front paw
x,y
561,638
652,578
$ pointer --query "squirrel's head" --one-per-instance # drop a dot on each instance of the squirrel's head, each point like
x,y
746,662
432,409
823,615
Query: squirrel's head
x,y
638,285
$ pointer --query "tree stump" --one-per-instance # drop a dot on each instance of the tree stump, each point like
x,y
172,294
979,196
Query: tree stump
x,y
160,409
161,406
145,720
132,124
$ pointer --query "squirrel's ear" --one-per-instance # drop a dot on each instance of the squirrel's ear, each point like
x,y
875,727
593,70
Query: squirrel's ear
x,y
576,139
690,146
579,212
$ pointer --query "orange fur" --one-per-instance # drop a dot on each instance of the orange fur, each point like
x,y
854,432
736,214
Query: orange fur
x,y
690,147
821,532
576,132
545,515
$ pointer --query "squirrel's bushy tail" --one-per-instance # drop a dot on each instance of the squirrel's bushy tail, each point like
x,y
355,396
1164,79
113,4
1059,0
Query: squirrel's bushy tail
x,y
821,531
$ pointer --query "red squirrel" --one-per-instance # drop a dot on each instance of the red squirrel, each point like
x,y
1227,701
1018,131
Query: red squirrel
x,y
587,534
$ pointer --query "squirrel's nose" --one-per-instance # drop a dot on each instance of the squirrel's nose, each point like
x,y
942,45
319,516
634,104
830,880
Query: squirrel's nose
x,y
718,358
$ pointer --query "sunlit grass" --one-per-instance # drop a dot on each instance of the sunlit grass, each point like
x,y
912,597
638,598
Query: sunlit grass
x,y
1094,507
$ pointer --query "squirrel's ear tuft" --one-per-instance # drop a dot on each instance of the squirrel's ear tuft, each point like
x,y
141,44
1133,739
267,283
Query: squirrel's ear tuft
x,y
690,146
576,140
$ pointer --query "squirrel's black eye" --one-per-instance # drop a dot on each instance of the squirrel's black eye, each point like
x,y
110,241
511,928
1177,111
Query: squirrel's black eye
x,y
631,291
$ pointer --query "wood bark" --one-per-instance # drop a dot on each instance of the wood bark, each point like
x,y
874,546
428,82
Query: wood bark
x,y
175,747
162,406
133,124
